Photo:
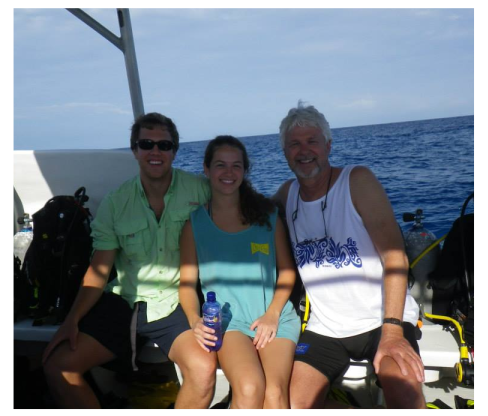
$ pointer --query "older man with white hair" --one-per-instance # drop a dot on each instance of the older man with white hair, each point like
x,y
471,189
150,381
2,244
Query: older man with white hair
x,y
350,255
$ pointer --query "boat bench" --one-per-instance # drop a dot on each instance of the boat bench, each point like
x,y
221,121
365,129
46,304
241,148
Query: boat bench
x,y
40,175
357,379
150,353
439,350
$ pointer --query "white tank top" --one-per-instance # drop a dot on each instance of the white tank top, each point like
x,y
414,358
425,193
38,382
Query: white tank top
x,y
342,273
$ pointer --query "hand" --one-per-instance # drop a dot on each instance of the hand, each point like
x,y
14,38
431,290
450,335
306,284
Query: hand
x,y
204,335
267,327
67,331
394,345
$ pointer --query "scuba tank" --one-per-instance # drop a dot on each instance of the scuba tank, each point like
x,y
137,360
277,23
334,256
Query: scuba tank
x,y
422,249
23,238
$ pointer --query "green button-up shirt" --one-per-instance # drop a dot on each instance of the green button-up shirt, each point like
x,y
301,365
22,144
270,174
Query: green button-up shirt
x,y
148,254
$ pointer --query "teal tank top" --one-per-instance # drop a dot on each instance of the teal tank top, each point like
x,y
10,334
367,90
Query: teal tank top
x,y
241,269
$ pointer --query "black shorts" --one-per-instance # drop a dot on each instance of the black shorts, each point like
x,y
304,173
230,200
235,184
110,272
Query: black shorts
x,y
110,319
331,356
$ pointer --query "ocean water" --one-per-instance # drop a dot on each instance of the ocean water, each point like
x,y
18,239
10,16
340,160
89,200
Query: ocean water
x,y
426,164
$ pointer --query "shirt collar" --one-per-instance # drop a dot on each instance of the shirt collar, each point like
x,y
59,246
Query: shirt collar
x,y
174,173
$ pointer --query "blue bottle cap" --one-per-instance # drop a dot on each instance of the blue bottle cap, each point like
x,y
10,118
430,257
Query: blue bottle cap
x,y
210,296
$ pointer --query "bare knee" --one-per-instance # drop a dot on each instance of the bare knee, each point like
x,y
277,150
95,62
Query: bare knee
x,y
63,378
67,365
401,392
200,372
206,375
276,396
248,394
59,367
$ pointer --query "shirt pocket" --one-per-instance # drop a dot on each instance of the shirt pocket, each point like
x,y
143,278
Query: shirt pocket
x,y
178,219
131,238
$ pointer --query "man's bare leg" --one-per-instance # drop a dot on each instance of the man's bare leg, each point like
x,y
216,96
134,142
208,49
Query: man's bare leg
x,y
308,387
65,368
401,392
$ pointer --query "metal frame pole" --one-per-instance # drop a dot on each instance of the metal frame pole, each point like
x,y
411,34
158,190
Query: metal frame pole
x,y
126,44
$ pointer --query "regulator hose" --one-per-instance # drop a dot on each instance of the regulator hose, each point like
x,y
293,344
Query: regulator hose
x,y
464,369
427,250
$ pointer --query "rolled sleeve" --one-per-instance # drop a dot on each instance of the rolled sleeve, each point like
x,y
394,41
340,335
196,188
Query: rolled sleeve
x,y
103,233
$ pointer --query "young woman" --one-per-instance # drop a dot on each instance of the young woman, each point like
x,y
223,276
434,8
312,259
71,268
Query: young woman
x,y
234,245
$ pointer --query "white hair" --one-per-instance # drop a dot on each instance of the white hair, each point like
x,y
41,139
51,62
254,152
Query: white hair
x,y
304,116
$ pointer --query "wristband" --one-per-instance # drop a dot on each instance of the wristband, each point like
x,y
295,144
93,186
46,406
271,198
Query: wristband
x,y
393,321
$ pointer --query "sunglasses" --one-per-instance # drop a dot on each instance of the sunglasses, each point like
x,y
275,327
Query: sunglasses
x,y
148,144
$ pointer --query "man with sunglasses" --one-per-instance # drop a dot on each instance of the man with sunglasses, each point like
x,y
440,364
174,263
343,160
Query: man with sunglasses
x,y
350,255
137,230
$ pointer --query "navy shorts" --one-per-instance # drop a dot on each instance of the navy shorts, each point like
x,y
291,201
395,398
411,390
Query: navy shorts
x,y
331,356
110,319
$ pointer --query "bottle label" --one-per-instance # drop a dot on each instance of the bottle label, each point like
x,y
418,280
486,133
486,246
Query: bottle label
x,y
210,319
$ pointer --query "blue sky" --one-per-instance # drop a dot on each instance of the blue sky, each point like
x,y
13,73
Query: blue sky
x,y
237,71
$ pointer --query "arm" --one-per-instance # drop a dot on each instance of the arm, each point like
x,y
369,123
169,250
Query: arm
x,y
91,289
372,204
187,290
280,198
268,323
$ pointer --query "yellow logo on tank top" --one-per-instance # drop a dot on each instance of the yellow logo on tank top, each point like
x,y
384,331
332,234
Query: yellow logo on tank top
x,y
261,248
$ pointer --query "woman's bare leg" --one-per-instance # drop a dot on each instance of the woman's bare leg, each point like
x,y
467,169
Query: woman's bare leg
x,y
277,362
240,362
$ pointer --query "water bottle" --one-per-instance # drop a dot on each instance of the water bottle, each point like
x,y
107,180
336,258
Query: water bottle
x,y
212,318
23,238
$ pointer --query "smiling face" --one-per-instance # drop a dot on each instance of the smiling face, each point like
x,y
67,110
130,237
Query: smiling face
x,y
226,170
306,152
154,164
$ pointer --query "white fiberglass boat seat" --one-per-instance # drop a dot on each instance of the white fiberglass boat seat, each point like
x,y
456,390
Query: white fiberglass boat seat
x,y
40,175
439,349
